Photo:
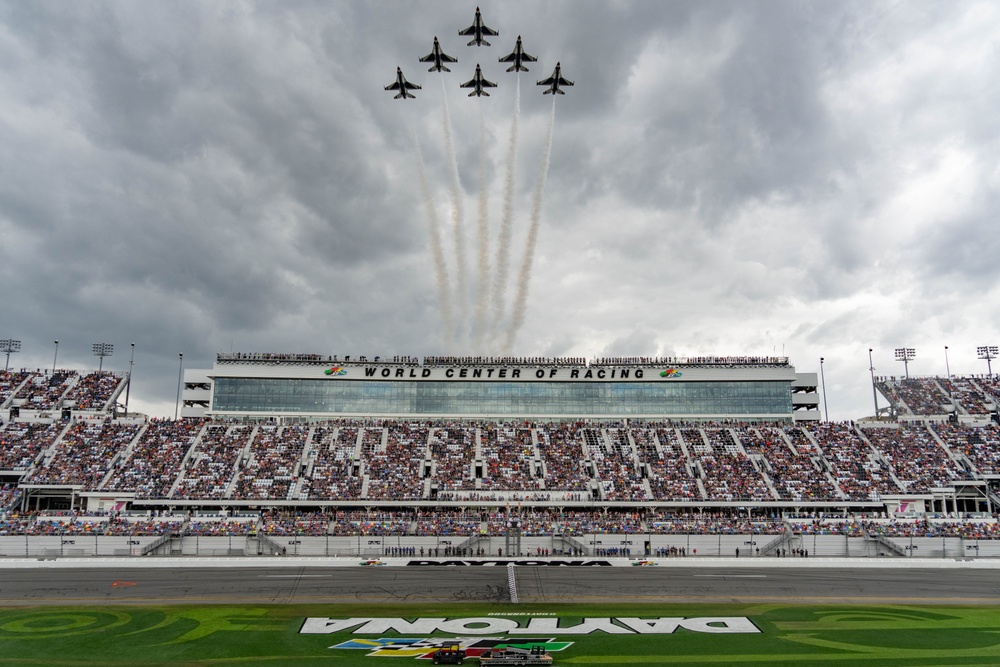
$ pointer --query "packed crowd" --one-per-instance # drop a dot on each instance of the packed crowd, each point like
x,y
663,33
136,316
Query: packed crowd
x,y
21,443
208,472
330,470
394,472
452,448
44,391
93,390
272,471
968,395
10,382
919,462
979,445
503,361
921,396
84,454
409,460
791,462
859,474
508,454
152,467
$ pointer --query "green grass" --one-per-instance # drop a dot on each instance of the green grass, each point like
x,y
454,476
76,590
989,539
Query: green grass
x,y
828,635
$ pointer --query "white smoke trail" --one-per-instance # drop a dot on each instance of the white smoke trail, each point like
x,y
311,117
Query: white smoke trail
x,y
437,252
482,286
506,224
457,213
524,278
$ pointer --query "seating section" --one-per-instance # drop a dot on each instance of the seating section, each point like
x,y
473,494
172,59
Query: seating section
x,y
152,467
979,445
791,461
44,392
272,471
452,448
967,393
858,471
508,455
562,458
916,458
93,390
346,460
728,473
84,454
210,468
916,396
330,470
21,443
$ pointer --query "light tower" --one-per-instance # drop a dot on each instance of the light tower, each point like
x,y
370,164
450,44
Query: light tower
x,y
9,346
906,355
987,352
102,350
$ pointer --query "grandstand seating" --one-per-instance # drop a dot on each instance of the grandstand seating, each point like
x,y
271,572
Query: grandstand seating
x,y
404,460
619,467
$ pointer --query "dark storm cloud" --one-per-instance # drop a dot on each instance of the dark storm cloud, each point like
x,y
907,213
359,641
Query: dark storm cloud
x,y
725,177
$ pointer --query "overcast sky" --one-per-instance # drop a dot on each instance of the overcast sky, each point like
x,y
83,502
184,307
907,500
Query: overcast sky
x,y
729,178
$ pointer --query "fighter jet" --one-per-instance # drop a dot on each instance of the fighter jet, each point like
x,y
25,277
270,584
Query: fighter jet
x,y
554,81
478,30
518,56
478,82
402,85
437,56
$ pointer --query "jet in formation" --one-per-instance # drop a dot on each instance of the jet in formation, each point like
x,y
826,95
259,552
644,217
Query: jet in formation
x,y
437,56
477,29
478,82
554,81
402,85
518,56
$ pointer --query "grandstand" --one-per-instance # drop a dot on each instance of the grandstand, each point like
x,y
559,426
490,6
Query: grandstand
x,y
335,449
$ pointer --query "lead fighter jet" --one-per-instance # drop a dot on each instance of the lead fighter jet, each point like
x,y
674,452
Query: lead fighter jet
x,y
437,56
554,81
478,82
517,56
478,30
402,85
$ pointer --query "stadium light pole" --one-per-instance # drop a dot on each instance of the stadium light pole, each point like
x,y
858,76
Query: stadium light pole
x,y
102,350
822,380
55,356
871,369
906,355
987,352
128,385
180,370
10,346
947,368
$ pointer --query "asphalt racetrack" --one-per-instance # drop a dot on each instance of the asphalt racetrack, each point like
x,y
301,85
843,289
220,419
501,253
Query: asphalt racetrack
x,y
289,582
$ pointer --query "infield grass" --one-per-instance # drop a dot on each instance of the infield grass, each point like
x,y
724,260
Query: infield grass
x,y
829,635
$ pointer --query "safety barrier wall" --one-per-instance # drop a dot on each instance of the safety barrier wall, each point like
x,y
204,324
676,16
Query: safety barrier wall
x,y
694,546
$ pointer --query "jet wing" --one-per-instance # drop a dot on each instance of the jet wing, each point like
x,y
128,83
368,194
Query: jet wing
x,y
471,30
413,86
489,31
393,86
471,83
488,84
547,82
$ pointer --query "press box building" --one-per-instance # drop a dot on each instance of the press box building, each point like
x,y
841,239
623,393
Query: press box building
x,y
297,387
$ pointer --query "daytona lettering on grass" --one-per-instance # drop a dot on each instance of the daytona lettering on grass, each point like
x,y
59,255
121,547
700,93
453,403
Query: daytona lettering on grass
x,y
484,625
